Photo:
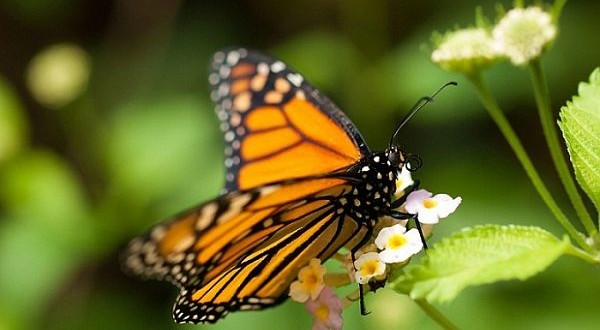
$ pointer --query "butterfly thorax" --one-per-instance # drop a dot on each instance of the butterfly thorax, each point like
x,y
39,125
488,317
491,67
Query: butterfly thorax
x,y
371,194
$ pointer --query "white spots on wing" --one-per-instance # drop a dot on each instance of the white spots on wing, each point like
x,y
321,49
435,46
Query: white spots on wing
x,y
221,114
228,162
219,57
223,89
277,66
213,78
262,68
224,71
295,78
235,145
233,57
365,169
224,126
214,96
226,104
229,136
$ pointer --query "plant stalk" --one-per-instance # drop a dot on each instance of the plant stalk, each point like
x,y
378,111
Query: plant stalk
x,y
542,99
511,137
435,315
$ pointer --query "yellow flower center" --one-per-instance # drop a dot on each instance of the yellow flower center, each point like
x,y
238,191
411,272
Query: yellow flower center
x,y
396,242
369,268
311,279
430,203
322,312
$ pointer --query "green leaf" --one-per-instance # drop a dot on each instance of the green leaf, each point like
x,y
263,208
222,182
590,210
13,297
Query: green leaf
x,y
480,255
580,124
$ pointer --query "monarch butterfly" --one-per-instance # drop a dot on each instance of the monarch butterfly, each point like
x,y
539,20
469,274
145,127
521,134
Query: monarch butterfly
x,y
301,183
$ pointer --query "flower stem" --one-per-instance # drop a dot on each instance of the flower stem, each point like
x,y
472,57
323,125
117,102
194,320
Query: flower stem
x,y
542,99
511,137
593,259
435,314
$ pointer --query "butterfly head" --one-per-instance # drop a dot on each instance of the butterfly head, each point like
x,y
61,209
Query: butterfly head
x,y
395,156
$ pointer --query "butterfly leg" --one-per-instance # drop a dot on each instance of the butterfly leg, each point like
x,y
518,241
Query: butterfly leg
x,y
361,294
403,215
398,202
363,308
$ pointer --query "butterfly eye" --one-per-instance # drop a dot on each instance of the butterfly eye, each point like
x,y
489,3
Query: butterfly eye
x,y
394,156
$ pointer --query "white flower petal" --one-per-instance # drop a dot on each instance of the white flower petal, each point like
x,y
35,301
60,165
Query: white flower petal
x,y
429,209
411,247
414,201
367,266
523,33
385,234
466,50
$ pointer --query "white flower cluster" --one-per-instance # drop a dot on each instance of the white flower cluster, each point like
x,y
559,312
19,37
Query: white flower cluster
x,y
521,35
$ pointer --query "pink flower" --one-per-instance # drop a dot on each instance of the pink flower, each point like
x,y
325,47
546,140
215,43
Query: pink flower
x,y
326,310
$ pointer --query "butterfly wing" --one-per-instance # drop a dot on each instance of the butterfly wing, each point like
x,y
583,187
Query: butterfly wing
x,y
276,125
242,250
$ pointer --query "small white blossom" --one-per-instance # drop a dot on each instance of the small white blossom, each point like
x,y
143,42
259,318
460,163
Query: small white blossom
x,y
430,209
466,50
367,266
523,33
397,244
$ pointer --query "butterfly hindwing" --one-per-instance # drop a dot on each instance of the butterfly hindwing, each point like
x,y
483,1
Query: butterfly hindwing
x,y
242,250
261,277
276,125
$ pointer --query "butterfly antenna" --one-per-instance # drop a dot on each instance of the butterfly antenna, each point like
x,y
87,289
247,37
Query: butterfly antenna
x,y
420,104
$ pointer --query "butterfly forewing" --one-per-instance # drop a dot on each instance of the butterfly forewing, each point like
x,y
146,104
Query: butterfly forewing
x,y
276,125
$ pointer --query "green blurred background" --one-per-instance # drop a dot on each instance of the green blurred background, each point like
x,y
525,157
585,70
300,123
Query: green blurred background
x,y
126,136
